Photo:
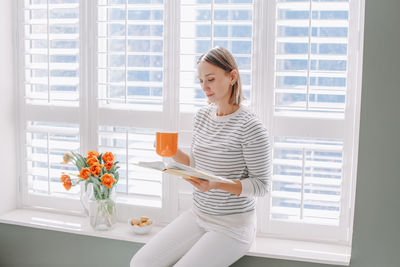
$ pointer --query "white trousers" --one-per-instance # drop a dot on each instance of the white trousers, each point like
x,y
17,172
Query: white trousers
x,y
183,243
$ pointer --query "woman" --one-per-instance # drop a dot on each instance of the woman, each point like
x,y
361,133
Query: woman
x,y
230,142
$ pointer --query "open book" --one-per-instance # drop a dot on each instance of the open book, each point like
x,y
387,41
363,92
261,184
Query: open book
x,y
181,170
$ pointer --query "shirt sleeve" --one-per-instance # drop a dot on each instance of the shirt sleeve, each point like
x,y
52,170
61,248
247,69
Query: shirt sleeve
x,y
257,155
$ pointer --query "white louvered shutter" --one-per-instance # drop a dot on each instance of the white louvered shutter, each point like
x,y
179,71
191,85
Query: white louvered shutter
x,y
130,64
310,120
50,58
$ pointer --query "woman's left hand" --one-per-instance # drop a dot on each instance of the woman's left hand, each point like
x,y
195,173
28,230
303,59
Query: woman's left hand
x,y
202,185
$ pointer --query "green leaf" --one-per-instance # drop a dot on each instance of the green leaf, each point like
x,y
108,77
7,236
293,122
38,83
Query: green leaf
x,y
107,193
80,161
79,166
112,169
83,161
77,162
96,191
74,155
96,181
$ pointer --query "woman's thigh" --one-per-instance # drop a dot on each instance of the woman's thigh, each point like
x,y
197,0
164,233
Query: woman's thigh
x,y
214,250
170,244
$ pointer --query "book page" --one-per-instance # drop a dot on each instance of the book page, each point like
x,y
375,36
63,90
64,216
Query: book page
x,y
155,165
182,170
189,171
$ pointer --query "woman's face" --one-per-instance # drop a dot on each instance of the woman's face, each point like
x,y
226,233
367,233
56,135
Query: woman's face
x,y
215,82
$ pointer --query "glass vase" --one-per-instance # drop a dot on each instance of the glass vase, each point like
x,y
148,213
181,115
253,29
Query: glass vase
x,y
102,213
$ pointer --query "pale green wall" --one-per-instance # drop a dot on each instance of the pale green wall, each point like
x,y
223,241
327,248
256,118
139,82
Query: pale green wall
x,y
377,216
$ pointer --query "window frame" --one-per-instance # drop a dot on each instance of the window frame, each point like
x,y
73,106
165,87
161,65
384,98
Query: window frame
x,y
172,195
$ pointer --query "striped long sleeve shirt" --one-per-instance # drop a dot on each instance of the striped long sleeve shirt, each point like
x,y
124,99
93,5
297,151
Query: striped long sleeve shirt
x,y
235,146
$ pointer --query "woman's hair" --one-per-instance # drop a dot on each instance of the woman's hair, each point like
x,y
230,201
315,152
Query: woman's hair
x,y
222,58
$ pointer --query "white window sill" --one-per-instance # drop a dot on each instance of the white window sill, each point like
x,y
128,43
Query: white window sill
x,y
262,247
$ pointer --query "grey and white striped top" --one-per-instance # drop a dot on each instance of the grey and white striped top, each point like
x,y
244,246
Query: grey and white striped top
x,y
235,146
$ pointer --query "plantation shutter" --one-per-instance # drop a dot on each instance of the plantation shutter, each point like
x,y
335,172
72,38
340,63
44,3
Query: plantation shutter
x,y
130,90
310,119
50,102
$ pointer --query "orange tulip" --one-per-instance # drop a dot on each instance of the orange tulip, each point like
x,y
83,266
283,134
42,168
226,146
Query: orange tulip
x,y
67,185
93,154
92,161
95,169
108,165
85,173
108,157
107,180
64,178
66,181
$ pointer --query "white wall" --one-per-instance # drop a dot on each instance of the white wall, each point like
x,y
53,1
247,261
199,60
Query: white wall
x,y
8,166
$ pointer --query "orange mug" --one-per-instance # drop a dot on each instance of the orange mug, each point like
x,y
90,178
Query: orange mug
x,y
166,143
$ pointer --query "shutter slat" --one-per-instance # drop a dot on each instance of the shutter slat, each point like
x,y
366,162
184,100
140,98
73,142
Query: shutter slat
x,y
344,6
